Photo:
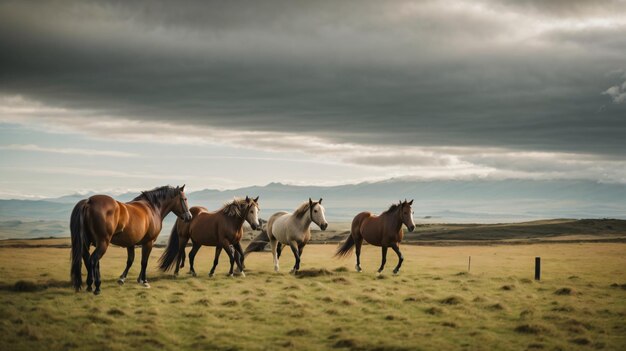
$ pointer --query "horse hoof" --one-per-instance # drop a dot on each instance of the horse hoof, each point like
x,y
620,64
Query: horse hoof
x,y
96,292
276,269
230,275
358,269
395,272
379,273
193,274
242,274
120,281
210,275
88,289
146,285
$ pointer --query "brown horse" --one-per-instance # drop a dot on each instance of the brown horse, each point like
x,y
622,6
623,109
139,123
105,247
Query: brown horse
x,y
100,220
222,229
384,230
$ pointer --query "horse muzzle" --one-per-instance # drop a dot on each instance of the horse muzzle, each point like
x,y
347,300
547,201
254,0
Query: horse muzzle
x,y
411,228
254,226
187,217
323,226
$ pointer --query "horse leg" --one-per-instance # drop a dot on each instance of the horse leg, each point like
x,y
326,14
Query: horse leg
x,y
239,258
181,260
357,246
192,257
181,255
94,262
300,250
279,249
294,249
396,249
216,260
89,269
382,264
145,254
230,251
129,262
274,243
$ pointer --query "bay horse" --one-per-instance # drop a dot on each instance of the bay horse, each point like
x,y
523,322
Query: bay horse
x,y
384,230
291,229
222,229
100,221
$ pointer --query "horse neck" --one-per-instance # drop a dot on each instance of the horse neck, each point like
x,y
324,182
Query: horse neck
x,y
165,209
393,221
235,221
304,221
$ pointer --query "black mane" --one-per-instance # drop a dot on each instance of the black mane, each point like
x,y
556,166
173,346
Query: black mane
x,y
392,208
157,195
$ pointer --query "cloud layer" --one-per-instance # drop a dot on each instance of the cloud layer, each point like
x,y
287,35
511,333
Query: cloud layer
x,y
480,88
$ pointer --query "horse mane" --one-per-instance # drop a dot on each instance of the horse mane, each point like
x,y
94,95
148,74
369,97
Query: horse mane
x,y
155,196
392,208
302,209
232,208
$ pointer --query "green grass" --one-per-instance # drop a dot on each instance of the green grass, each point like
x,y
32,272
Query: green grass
x,y
433,304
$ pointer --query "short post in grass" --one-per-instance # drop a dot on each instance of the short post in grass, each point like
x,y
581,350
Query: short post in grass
x,y
537,268
469,263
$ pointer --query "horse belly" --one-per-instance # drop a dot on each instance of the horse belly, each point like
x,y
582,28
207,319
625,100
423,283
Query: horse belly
x,y
204,232
373,235
124,239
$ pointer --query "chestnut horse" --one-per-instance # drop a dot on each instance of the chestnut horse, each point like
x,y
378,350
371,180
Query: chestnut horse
x,y
222,229
100,220
290,229
384,230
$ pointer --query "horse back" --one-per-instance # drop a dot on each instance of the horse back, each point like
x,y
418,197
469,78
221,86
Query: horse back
x,y
271,220
203,228
369,227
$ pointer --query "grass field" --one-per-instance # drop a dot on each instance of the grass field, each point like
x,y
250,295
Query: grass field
x,y
433,304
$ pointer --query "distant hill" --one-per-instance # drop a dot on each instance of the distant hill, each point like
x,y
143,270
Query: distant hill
x,y
477,201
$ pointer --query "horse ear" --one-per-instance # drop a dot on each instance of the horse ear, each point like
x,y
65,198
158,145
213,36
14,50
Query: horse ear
x,y
411,202
247,198
319,202
182,188
310,201
257,199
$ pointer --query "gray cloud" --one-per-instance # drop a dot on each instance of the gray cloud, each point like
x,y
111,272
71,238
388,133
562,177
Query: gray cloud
x,y
515,75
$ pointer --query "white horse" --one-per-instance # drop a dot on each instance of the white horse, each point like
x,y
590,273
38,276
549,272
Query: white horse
x,y
292,229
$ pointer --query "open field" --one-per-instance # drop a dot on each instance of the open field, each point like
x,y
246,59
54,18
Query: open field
x,y
571,230
433,304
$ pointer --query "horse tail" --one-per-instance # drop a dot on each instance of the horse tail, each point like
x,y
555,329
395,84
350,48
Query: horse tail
x,y
346,247
258,243
79,242
171,253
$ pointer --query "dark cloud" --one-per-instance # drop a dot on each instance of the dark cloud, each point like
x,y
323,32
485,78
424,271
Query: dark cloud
x,y
497,74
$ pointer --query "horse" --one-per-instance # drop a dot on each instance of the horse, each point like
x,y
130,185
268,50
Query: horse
x,y
222,229
291,229
100,220
384,230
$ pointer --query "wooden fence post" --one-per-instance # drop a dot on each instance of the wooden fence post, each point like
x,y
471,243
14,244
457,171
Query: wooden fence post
x,y
469,263
537,268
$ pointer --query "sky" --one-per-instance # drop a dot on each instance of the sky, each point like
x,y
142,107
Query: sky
x,y
115,96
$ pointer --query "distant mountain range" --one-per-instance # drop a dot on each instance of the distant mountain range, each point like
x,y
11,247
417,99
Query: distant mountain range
x,y
435,201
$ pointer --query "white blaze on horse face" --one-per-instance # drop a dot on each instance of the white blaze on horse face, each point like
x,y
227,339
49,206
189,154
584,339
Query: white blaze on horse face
x,y
408,218
253,217
318,216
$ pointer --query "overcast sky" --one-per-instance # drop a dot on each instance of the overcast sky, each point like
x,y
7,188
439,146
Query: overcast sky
x,y
115,96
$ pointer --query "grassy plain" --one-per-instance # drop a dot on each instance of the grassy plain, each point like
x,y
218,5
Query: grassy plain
x,y
433,304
